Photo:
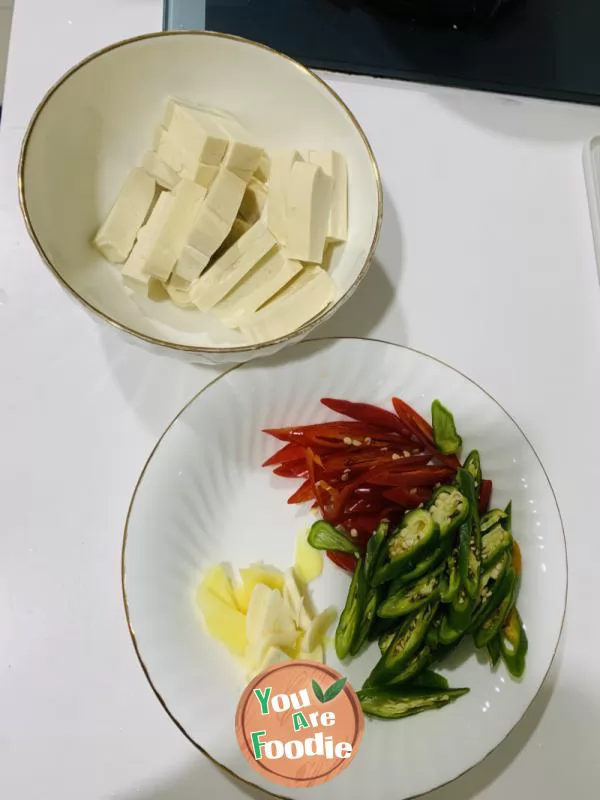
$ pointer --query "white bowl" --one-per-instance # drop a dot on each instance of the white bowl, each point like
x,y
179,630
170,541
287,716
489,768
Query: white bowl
x,y
93,126
203,498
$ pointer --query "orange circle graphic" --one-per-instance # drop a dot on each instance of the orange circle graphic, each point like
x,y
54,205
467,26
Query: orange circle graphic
x,y
299,723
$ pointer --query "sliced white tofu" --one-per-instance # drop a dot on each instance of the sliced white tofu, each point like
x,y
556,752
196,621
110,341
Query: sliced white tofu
x,y
163,251
178,290
238,229
195,133
209,232
159,170
263,170
232,266
300,301
204,174
116,236
190,264
225,196
263,281
334,166
253,201
307,212
133,270
282,162
242,158
243,153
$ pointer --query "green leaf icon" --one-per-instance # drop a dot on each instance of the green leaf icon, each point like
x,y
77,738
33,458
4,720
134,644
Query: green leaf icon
x,y
318,692
334,690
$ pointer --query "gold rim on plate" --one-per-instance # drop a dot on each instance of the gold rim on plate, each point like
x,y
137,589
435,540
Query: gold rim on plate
x,y
299,332
145,670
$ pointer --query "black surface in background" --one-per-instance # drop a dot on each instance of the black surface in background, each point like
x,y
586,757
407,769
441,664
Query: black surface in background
x,y
545,48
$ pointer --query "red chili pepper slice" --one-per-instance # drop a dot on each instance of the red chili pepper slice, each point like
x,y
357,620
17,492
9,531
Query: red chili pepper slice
x,y
422,477
422,430
293,469
343,560
303,494
331,435
289,452
367,413
485,494
337,463
409,498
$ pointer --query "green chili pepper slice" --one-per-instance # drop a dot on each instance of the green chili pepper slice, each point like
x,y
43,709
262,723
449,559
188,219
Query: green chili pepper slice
x,y
404,702
494,651
415,666
415,537
494,544
385,640
491,591
409,598
448,507
406,642
473,466
469,553
428,679
374,547
372,597
323,536
491,519
351,616
460,611
448,634
491,624
445,436
450,583
424,566
514,644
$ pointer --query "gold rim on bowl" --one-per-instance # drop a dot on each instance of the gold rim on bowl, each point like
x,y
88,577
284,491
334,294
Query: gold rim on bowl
x,y
145,670
299,332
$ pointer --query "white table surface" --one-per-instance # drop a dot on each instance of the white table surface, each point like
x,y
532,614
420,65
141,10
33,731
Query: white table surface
x,y
486,261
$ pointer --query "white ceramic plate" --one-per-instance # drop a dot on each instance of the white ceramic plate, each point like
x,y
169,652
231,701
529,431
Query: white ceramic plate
x,y
203,498
84,138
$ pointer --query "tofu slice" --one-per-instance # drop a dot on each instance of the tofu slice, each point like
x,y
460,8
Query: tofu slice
x,y
253,201
307,210
190,264
116,236
300,301
242,158
225,195
282,162
233,265
263,281
204,174
203,140
218,214
133,272
334,166
243,154
159,170
238,229
161,241
263,170
179,290
208,233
